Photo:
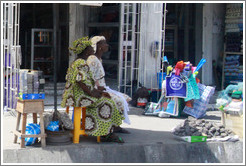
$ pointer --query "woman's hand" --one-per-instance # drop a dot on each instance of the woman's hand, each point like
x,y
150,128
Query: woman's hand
x,y
107,95
101,88
96,93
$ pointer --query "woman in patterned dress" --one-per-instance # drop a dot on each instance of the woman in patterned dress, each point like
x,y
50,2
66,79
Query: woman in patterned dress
x,y
102,114
94,61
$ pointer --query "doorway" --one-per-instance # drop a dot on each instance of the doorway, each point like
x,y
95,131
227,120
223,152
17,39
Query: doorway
x,y
40,16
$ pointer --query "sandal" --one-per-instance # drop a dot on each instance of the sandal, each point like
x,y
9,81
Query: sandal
x,y
113,138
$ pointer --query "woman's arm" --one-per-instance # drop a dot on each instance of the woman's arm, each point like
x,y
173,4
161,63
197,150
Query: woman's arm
x,y
94,93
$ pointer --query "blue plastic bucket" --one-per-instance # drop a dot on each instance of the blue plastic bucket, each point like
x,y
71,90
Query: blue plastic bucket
x,y
160,77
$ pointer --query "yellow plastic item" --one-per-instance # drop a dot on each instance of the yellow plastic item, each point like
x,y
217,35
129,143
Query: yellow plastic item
x,y
169,68
78,128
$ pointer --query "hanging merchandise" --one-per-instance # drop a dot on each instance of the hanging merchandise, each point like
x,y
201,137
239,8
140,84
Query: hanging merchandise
x,y
172,107
179,67
192,89
200,64
175,86
200,106
181,92
150,108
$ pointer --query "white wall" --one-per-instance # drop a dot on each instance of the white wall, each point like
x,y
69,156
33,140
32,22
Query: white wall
x,y
213,19
77,25
151,24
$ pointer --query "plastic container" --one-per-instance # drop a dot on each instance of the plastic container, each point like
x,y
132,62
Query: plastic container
x,y
31,96
160,77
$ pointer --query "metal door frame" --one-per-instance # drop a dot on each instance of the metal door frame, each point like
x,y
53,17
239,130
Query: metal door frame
x,y
11,54
130,71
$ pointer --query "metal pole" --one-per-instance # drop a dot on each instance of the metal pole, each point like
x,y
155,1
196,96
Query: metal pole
x,y
32,49
133,45
55,23
121,32
5,30
126,47
138,43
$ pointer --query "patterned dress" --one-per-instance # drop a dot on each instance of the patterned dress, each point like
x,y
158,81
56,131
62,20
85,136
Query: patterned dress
x,y
98,74
101,114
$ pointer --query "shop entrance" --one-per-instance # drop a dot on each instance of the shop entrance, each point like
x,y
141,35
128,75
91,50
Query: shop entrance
x,y
36,39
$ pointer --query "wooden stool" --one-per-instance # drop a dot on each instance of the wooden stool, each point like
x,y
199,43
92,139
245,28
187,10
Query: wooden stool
x,y
78,128
23,108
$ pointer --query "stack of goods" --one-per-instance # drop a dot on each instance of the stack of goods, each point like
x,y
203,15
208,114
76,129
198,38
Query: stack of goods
x,y
195,128
233,66
31,84
182,92
233,69
234,27
230,100
234,42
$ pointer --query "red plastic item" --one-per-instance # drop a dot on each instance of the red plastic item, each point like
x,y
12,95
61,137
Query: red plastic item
x,y
179,67
197,80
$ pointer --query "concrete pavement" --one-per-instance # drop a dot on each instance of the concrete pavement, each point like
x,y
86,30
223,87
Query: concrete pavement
x,y
150,141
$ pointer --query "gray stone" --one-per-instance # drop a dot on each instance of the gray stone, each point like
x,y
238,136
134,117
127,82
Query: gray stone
x,y
176,133
198,122
190,118
221,125
216,133
222,130
192,125
224,134
192,129
202,125
189,133
209,133
199,128
205,131
197,133
176,129
217,128
208,125
212,129
229,131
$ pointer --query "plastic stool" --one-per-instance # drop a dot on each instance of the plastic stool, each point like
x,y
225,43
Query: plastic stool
x,y
78,128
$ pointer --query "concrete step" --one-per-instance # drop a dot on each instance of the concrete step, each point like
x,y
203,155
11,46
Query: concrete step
x,y
158,152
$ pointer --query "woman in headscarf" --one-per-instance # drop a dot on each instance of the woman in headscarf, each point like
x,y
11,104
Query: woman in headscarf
x,y
100,46
102,114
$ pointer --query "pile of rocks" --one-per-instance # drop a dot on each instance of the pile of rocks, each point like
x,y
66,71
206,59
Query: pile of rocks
x,y
199,127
